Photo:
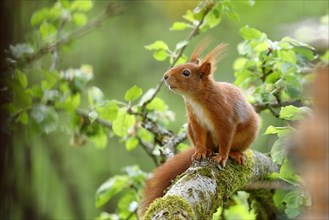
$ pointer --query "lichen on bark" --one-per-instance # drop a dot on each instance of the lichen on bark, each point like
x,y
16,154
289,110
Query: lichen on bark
x,y
204,186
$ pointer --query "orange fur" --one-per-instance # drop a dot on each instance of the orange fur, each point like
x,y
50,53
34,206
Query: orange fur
x,y
221,123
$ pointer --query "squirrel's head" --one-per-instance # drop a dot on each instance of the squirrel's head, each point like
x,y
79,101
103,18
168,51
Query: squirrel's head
x,y
193,77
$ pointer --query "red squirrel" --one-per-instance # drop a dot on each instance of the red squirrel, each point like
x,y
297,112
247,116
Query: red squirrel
x,y
221,122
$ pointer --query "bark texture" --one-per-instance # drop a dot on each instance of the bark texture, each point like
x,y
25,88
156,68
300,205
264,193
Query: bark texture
x,y
198,192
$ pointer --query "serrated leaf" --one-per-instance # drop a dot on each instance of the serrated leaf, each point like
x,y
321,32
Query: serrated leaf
x,y
110,188
160,55
156,104
293,113
157,45
21,78
133,93
178,26
131,143
123,122
80,19
278,151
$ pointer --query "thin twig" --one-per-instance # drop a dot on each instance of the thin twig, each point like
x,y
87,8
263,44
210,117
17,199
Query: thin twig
x,y
111,9
85,114
259,107
192,34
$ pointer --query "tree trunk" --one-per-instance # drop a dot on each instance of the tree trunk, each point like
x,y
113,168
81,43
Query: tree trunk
x,y
198,192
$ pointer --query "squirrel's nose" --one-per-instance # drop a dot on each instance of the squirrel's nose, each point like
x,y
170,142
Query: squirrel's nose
x,y
165,76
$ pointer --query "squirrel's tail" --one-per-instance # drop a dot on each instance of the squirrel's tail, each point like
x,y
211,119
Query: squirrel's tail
x,y
163,176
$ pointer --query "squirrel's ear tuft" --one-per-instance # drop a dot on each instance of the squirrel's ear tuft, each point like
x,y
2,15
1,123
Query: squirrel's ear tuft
x,y
212,58
195,57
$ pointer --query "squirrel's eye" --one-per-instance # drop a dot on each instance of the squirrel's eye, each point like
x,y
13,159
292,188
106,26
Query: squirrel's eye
x,y
186,73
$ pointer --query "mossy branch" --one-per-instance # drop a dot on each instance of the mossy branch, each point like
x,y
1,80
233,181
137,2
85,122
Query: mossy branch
x,y
204,187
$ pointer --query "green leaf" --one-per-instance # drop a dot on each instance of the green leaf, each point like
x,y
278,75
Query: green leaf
x,y
23,118
211,20
239,63
278,198
123,122
131,143
189,16
80,19
100,138
21,78
156,104
288,56
182,59
39,16
45,119
178,26
71,103
249,33
160,55
84,5
65,3
50,79
278,151
305,52
133,93
145,135
47,30
110,188
157,45
280,131
293,87
293,113
109,111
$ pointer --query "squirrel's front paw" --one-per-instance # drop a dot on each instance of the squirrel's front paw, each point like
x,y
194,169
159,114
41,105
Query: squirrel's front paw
x,y
201,153
220,159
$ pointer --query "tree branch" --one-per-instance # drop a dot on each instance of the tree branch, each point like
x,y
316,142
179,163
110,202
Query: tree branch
x,y
111,9
203,187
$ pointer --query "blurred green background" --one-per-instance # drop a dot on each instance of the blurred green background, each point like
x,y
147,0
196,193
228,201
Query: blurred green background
x,y
48,178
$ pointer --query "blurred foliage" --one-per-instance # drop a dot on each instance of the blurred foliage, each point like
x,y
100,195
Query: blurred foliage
x,y
109,103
